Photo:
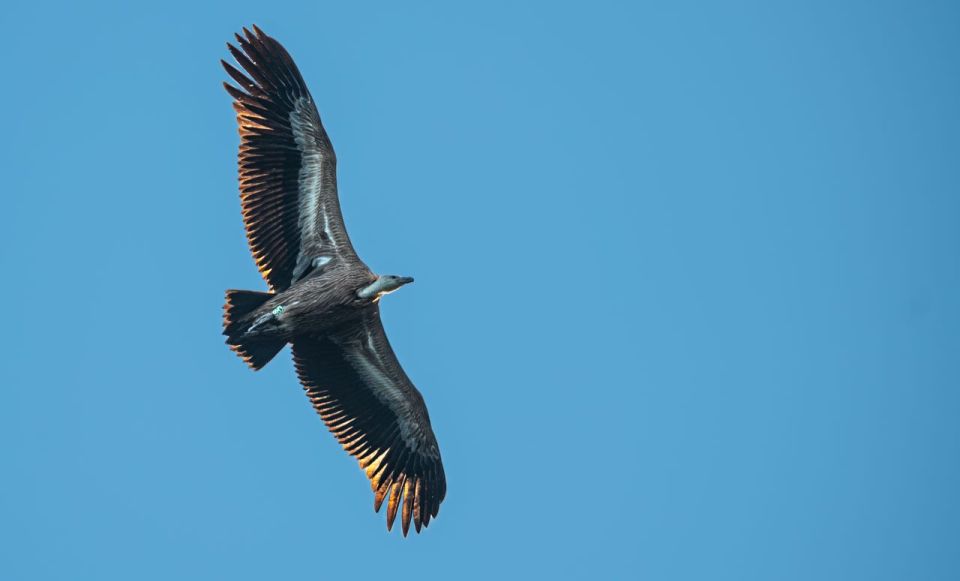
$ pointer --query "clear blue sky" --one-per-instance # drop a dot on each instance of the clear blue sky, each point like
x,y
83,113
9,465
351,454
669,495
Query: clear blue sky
x,y
687,300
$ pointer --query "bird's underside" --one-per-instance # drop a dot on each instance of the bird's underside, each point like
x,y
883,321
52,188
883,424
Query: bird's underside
x,y
323,300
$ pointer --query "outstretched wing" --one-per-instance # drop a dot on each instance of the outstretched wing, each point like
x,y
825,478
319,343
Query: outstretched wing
x,y
367,401
288,171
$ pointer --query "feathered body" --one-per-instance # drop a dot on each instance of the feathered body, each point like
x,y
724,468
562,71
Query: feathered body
x,y
316,304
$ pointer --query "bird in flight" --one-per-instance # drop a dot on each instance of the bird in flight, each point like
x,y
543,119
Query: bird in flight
x,y
323,299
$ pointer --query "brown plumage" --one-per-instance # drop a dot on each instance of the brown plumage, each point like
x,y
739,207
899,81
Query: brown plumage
x,y
324,300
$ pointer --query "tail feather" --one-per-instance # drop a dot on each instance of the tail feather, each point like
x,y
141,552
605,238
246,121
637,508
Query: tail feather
x,y
256,351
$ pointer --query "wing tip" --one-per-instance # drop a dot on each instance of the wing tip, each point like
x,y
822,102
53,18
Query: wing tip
x,y
415,499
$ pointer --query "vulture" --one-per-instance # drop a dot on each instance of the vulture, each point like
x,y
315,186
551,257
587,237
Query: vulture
x,y
322,300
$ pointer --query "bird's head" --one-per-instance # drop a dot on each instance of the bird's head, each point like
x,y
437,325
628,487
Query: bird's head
x,y
384,285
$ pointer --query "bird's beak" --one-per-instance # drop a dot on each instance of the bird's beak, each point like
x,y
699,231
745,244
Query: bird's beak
x,y
405,279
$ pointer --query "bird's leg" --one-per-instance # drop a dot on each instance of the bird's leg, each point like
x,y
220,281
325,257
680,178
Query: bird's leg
x,y
319,262
261,322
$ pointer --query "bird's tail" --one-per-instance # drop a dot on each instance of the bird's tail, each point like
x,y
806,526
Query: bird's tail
x,y
257,351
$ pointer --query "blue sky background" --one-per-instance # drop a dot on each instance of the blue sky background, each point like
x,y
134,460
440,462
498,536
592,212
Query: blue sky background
x,y
687,300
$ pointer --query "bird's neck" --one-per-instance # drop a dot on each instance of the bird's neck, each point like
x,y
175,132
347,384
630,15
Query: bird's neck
x,y
376,289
